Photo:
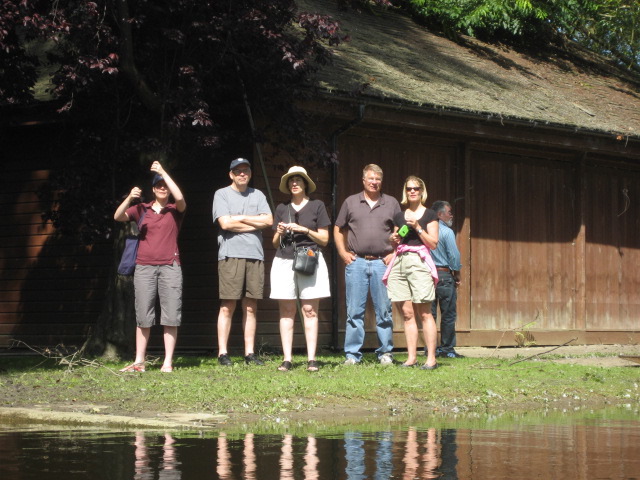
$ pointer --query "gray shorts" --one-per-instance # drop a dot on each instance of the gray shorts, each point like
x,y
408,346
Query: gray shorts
x,y
240,277
158,281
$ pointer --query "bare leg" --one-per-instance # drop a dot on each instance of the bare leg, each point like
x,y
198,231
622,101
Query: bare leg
x,y
410,331
170,339
227,307
287,317
142,339
249,311
429,331
310,313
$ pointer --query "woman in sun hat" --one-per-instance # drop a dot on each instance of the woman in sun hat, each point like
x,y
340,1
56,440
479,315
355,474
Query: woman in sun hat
x,y
158,273
305,223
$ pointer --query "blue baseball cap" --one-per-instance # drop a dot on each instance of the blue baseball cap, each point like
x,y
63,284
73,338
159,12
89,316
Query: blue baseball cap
x,y
157,178
237,162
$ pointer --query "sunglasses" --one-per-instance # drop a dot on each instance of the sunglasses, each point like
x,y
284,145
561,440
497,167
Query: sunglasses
x,y
237,171
413,189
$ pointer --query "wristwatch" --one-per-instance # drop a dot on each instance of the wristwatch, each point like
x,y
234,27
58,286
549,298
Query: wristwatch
x,y
419,231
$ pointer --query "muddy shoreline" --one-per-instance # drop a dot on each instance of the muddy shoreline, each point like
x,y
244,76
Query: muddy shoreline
x,y
108,416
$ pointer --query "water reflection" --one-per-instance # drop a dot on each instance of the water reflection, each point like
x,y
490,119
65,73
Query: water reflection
x,y
583,450
169,467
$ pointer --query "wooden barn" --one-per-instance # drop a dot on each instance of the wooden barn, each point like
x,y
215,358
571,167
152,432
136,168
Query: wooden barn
x,y
539,157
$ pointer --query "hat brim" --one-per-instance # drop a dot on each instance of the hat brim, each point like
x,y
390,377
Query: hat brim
x,y
311,186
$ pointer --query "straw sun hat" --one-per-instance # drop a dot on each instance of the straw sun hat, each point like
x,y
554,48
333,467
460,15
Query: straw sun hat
x,y
311,187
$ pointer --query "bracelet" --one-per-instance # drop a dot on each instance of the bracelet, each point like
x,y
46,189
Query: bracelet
x,y
308,231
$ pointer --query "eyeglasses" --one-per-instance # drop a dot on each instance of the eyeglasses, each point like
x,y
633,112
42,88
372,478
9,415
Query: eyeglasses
x,y
238,171
413,189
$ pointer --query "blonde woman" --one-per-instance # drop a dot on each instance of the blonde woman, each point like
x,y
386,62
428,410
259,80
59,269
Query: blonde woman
x,y
412,274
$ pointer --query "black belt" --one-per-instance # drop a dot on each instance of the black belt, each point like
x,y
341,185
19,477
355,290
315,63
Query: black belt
x,y
369,257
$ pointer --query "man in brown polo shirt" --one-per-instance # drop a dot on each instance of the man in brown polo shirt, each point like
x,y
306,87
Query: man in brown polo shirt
x,y
361,234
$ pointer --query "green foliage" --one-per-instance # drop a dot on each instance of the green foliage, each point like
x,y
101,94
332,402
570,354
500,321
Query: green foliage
x,y
609,27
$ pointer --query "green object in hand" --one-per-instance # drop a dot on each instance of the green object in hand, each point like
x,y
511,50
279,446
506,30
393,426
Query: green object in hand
x,y
403,231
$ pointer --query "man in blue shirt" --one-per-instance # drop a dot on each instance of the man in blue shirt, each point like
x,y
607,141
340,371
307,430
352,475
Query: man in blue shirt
x,y
447,259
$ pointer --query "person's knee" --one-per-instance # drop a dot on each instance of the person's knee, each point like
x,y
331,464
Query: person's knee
x,y
308,311
250,305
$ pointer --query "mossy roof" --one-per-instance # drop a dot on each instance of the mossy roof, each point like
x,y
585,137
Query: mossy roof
x,y
401,62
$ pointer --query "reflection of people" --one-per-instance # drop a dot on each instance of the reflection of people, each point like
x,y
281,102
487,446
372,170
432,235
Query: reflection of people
x,y
412,275
142,469
223,466
311,460
158,272
286,458
446,256
169,467
354,455
242,213
361,235
249,458
304,223
423,465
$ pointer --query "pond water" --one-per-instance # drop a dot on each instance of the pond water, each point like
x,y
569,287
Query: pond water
x,y
594,445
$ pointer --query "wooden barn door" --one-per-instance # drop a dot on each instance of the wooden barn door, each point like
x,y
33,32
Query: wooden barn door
x,y
612,252
523,225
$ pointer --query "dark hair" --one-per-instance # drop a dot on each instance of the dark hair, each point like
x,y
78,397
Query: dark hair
x,y
304,180
439,206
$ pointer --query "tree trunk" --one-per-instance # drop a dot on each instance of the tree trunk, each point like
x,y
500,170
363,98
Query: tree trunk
x,y
113,336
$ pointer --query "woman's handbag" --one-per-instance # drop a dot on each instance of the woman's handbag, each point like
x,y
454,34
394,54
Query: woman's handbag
x,y
130,253
305,259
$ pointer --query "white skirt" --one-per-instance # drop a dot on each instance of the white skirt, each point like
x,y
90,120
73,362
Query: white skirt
x,y
284,280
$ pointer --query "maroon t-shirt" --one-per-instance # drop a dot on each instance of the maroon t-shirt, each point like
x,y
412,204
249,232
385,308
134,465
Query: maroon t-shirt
x,y
158,234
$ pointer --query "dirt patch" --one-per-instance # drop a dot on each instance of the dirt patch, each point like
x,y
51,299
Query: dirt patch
x,y
587,355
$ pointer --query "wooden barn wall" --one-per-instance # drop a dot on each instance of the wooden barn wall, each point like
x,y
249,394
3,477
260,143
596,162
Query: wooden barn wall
x,y
49,286
523,229
545,235
612,254
549,240
52,289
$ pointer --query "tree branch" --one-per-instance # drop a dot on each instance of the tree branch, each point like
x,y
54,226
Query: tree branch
x,y
146,94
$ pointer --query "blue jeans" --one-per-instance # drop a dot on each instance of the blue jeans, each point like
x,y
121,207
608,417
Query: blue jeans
x,y
446,296
361,277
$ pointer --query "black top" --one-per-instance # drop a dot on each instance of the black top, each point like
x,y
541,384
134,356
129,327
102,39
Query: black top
x,y
312,216
412,238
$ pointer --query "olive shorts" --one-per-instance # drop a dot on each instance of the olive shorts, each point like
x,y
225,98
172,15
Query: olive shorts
x,y
240,277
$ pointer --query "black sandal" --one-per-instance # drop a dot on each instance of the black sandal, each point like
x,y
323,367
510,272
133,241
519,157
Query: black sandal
x,y
285,366
312,366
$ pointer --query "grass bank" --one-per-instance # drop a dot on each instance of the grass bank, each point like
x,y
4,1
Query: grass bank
x,y
248,393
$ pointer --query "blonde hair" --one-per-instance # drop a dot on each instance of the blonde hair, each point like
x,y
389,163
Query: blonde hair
x,y
423,188
372,167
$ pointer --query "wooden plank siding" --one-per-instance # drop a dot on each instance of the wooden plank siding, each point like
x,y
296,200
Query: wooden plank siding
x,y
548,235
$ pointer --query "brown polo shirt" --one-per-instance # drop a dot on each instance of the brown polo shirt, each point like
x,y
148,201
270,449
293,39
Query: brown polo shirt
x,y
368,229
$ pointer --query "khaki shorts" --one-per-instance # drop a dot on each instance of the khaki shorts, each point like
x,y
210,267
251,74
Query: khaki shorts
x,y
410,279
240,277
